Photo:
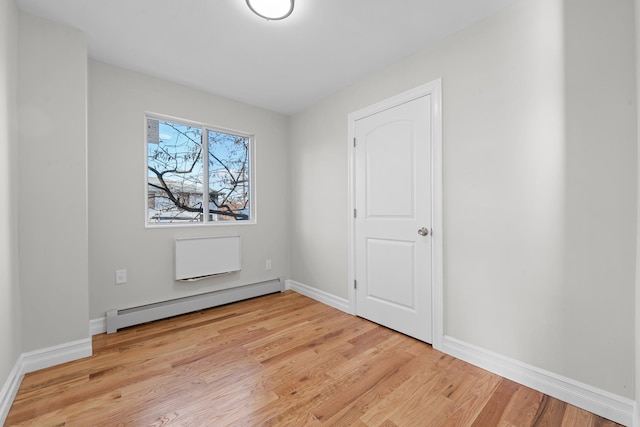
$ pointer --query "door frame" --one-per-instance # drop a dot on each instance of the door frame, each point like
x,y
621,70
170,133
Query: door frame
x,y
434,90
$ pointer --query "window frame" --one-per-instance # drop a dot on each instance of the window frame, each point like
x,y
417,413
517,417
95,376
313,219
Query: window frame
x,y
205,128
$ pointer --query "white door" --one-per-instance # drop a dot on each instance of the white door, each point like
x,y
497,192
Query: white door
x,y
393,200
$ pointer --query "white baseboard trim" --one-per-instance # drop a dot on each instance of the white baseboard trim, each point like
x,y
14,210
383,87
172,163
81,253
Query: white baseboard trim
x,y
592,399
36,360
318,295
10,389
56,355
98,326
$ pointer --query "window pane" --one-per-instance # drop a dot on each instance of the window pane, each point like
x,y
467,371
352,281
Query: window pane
x,y
175,171
228,176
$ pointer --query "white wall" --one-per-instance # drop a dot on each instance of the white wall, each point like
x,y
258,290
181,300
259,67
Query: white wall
x,y
513,170
118,238
600,192
52,89
10,322
637,298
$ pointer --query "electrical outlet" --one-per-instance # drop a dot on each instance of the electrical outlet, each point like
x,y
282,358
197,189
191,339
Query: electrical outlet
x,y
121,277
268,265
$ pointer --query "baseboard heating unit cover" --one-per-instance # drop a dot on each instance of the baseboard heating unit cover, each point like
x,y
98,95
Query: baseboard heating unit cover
x,y
118,319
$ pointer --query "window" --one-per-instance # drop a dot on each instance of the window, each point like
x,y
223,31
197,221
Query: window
x,y
197,174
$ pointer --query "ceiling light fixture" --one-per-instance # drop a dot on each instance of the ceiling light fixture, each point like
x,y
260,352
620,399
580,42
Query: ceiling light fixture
x,y
271,10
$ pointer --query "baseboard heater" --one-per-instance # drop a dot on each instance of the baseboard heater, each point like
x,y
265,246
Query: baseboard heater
x,y
118,319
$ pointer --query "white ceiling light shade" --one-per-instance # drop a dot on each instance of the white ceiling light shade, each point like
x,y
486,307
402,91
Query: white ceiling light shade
x,y
271,10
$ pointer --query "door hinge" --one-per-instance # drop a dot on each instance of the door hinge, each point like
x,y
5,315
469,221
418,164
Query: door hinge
x,y
355,213
355,284
354,141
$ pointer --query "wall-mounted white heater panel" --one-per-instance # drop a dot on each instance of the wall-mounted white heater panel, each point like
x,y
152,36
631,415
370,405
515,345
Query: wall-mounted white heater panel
x,y
201,257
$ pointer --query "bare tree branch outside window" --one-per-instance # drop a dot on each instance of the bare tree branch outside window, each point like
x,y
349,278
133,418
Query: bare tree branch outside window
x,y
179,181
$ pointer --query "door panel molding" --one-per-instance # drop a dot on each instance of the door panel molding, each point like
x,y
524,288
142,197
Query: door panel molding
x,y
432,89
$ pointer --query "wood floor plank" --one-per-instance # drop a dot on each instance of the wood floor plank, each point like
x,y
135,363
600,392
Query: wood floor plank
x,y
350,415
380,368
278,360
575,417
493,411
550,413
470,396
423,406
424,379
523,406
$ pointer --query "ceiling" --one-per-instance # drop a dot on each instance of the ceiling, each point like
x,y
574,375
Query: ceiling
x,y
221,47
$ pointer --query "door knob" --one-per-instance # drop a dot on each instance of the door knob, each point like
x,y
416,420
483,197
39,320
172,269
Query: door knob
x,y
424,231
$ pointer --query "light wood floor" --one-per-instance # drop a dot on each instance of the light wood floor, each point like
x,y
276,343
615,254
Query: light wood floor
x,y
279,360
